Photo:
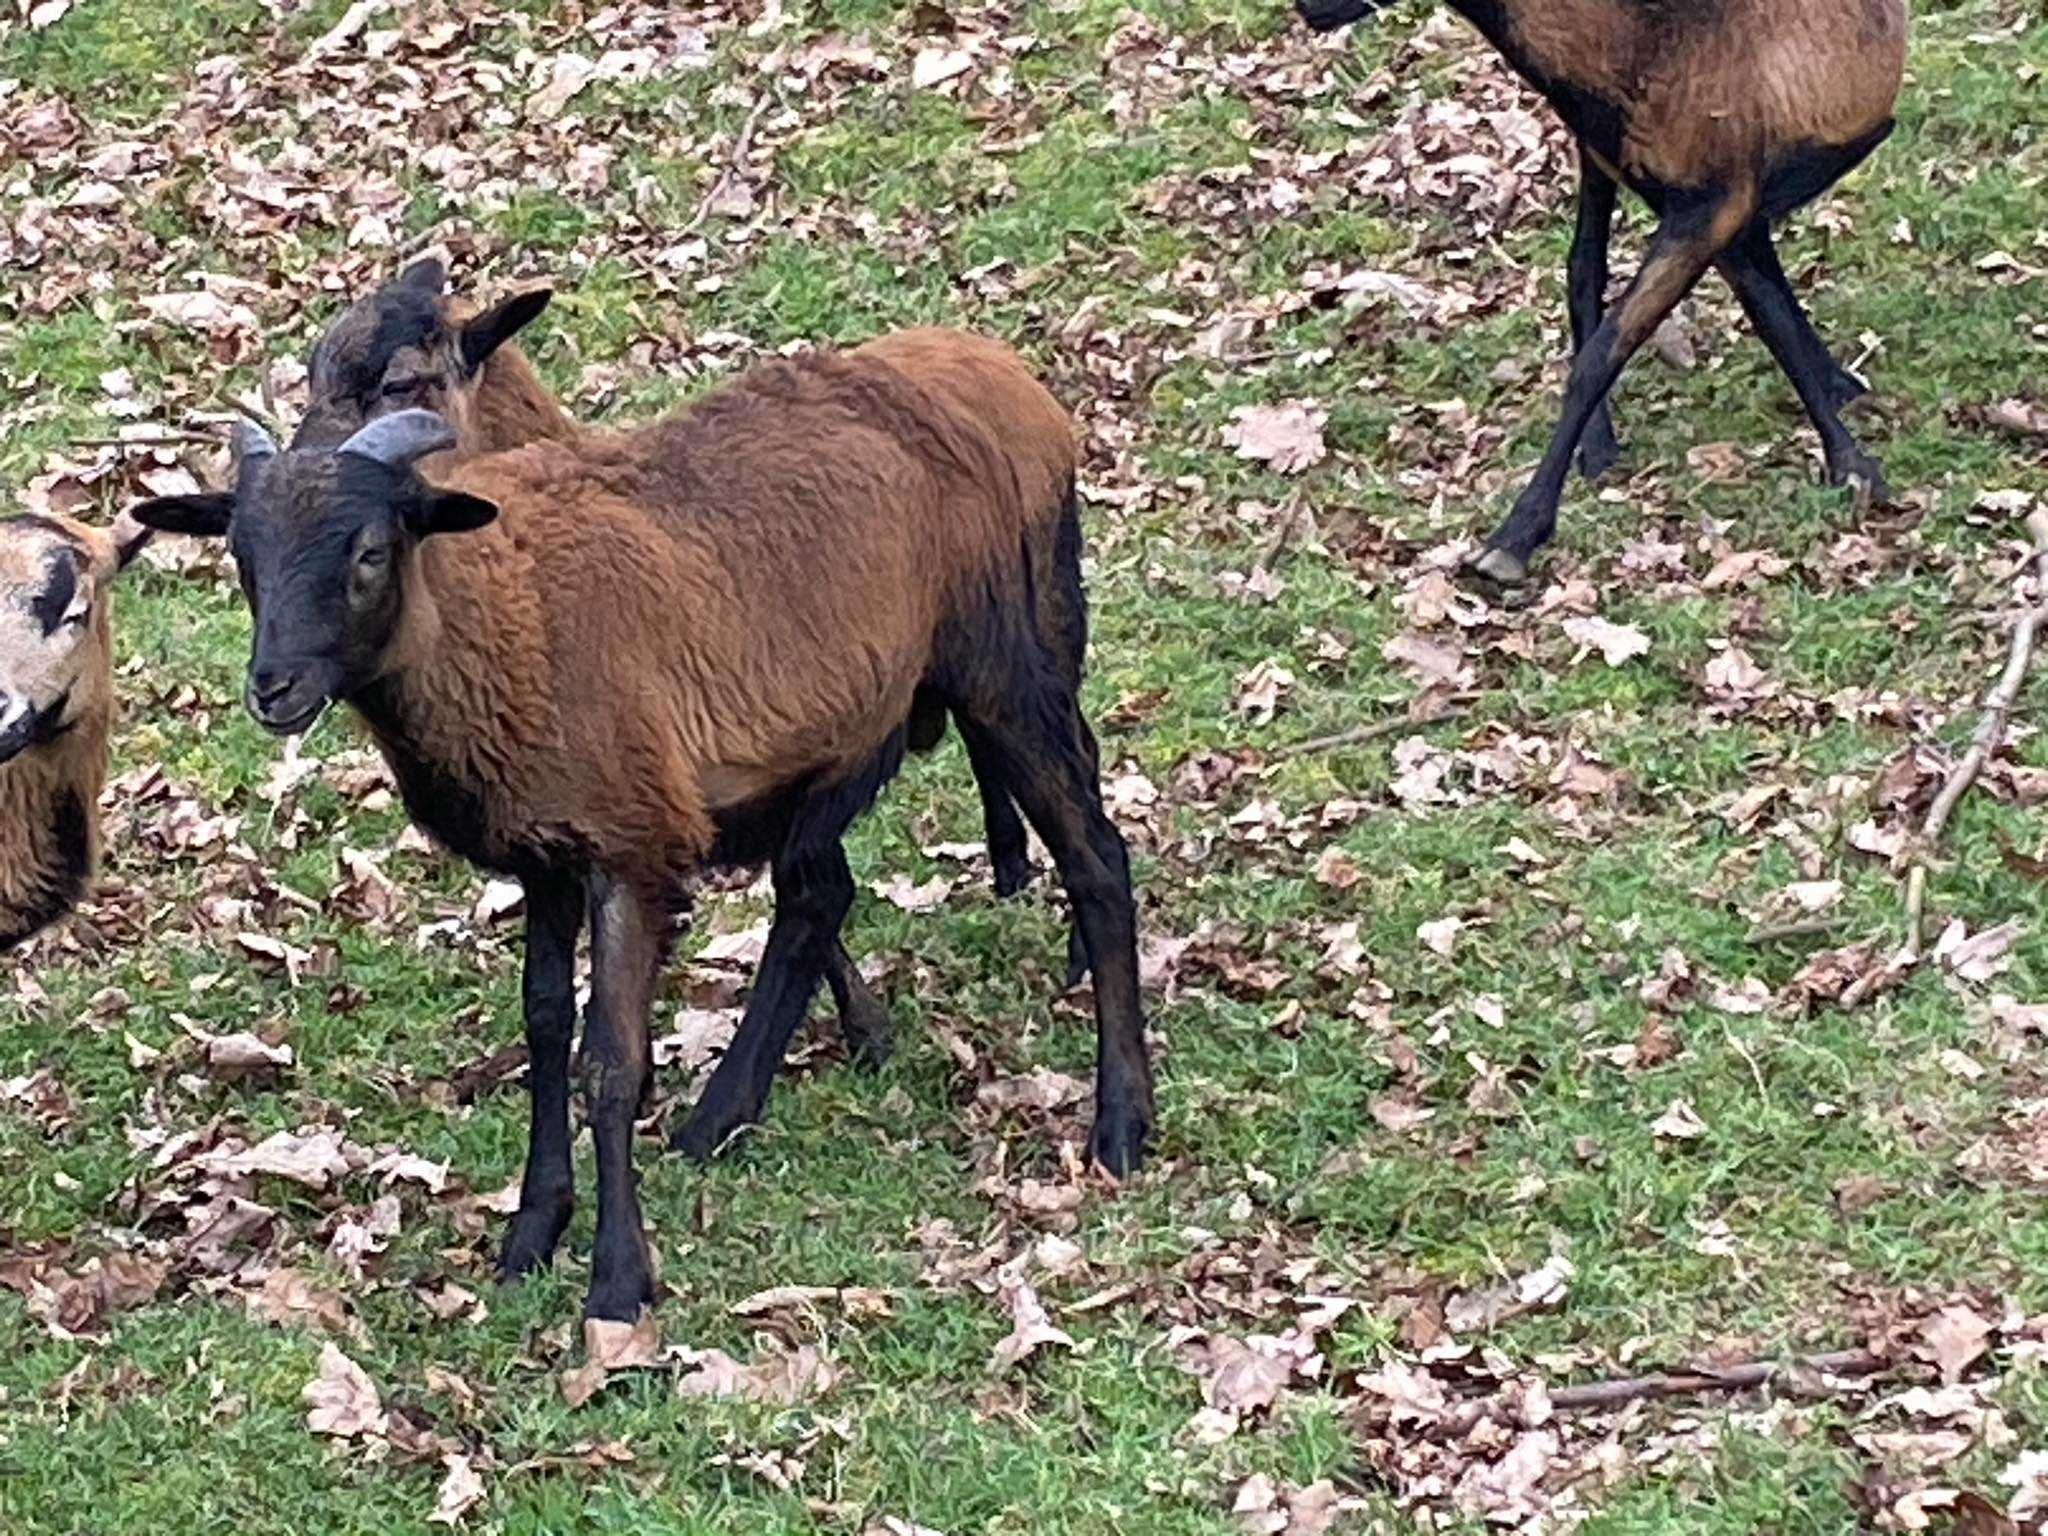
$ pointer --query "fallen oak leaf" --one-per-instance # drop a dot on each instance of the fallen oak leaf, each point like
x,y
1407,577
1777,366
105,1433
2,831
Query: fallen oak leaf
x,y
461,1491
1288,438
608,1346
1032,1329
1617,644
1952,1340
314,1159
780,1381
341,1400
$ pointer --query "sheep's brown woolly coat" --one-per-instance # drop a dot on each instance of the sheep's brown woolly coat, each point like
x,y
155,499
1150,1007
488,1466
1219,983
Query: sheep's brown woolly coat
x,y
1708,89
49,827
678,621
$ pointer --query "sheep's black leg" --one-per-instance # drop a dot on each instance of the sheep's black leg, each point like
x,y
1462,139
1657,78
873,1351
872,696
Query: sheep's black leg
x,y
1843,387
813,893
1051,768
547,1194
863,1021
626,943
1696,228
1752,268
1586,292
1008,848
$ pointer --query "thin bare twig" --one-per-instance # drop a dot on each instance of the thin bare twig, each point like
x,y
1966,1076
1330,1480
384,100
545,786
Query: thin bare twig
x,y
1843,1365
1364,733
1998,705
156,440
1798,928
1825,1373
739,158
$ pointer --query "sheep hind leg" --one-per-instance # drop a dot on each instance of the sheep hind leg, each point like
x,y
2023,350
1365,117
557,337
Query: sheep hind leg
x,y
1752,268
813,894
1695,229
1008,848
547,1192
1035,722
1007,843
863,1020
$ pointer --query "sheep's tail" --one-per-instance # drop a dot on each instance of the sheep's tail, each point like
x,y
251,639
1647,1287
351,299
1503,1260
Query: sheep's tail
x,y
1059,607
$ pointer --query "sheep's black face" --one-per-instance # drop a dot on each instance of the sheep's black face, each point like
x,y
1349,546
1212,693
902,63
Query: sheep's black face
x,y
324,542
400,348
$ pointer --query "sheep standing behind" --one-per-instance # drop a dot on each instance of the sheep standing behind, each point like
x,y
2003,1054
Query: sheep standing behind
x,y
56,710
602,666
1724,116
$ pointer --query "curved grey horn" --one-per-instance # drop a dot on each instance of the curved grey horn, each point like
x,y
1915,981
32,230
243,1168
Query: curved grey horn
x,y
401,438
249,441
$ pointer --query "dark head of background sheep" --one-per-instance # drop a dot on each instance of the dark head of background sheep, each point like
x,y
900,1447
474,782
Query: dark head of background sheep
x,y
1724,116
56,710
407,345
604,665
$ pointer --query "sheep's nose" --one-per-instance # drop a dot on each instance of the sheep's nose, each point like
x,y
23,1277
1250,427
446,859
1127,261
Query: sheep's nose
x,y
269,684
15,718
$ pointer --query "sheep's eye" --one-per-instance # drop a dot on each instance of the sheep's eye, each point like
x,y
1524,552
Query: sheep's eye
x,y
397,389
373,558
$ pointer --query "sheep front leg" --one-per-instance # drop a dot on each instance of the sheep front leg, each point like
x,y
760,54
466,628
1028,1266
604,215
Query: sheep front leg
x,y
1697,227
547,1194
626,941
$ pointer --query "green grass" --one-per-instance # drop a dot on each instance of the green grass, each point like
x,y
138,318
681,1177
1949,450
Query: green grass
x,y
1087,215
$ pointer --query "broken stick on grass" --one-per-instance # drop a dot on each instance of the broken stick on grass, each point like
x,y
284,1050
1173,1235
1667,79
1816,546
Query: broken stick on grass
x,y
1360,734
1998,705
1806,1373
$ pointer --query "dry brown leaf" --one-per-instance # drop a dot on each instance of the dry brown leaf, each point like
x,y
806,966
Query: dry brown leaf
x,y
608,1346
1031,1329
1287,437
1953,1339
1617,644
780,1380
460,1492
312,1158
342,1400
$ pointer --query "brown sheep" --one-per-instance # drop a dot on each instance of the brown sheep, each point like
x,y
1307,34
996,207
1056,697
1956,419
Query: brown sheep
x,y
56,710
409,345
603,667
1724,116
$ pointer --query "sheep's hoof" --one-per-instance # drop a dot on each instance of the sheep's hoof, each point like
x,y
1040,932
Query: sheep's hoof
x,y
1599,451
530,1243
621,1296
1863,478
870,1037
1014,872
1495,567
1077,959
1117,1144
709,1130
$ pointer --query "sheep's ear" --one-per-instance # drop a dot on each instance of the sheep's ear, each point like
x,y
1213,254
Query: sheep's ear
x,y
204,516
451,512
427,275
499,324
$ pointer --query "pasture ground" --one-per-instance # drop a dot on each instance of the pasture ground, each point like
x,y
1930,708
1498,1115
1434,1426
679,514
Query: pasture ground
x,y
1485,1056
